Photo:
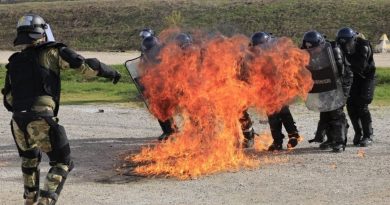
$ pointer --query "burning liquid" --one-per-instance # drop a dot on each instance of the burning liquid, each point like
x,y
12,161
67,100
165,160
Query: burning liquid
x,y
209,84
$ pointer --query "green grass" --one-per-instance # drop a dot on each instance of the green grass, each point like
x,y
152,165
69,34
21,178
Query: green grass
x,y
104,25
78,90
382,92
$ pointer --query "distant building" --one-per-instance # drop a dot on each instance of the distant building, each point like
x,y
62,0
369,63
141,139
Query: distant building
x,y
383,45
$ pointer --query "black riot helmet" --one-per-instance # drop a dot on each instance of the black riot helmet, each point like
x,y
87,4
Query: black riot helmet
x,y
146,32
312,39
30,28
260,38
183,39
148,43
346,38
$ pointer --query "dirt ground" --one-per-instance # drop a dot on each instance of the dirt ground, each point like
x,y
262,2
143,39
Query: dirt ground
x,y
310,176
110,58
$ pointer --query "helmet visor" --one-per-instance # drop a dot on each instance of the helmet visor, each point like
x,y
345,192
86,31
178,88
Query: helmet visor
x,y
25,21
145,34
347,44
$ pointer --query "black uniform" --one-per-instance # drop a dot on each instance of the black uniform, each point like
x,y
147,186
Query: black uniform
x,y
150,49
334,123
362,91
276,120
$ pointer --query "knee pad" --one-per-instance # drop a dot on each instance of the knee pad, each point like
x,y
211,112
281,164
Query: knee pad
x,y
59,142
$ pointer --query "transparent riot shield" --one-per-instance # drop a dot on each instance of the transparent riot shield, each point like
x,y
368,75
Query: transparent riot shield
x,y
132,66
327,93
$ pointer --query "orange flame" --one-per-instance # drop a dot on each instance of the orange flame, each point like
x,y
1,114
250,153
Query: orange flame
x,y
209,84
361,153
262,142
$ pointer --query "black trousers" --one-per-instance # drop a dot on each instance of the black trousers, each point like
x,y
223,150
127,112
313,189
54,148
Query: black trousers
x,y
334,125
279,119
166,126
361,95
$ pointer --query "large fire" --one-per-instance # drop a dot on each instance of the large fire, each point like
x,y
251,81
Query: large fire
x,y
209,84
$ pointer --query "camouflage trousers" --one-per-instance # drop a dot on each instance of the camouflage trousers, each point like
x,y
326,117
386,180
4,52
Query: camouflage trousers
x,y
32,138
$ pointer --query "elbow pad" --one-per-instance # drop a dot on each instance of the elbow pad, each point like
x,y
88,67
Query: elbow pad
x,y
75,60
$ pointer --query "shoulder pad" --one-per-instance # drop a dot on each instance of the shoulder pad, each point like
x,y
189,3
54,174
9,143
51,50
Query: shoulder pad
x,y
13,56
51,44
362,41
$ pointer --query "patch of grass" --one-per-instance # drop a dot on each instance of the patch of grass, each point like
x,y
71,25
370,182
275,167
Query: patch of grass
x,y
107,25
382,94
383,76
78,90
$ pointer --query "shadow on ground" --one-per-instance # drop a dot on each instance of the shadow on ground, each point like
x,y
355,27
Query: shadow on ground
x,y
102,160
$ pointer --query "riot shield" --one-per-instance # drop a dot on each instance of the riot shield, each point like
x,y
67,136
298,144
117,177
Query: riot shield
x,y
327,93
132,66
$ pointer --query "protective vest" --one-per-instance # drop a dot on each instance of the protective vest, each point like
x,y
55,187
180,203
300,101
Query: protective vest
x,y
29,79
362,61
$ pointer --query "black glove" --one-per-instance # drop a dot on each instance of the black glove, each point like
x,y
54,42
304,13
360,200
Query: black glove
x,y
117,77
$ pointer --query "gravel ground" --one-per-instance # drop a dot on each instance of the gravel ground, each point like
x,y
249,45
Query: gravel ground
x,y
310,176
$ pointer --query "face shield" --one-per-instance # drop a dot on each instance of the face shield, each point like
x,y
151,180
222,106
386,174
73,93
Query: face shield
x,y
24,21
145,33
347,45
49,34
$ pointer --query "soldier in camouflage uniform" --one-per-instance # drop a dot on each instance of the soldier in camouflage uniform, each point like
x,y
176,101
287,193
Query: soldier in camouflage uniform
x,y
31,93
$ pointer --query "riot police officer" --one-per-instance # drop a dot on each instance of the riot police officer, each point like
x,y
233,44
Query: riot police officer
x,y
332,81
359,54
146,32
283,117
150,48
32,94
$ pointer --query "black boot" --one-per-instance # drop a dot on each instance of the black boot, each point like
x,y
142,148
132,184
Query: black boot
x,y
365,142
338,147
167,129
367,131
326,145
275,146
357,126
320,133
356,139
163,136
293,140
